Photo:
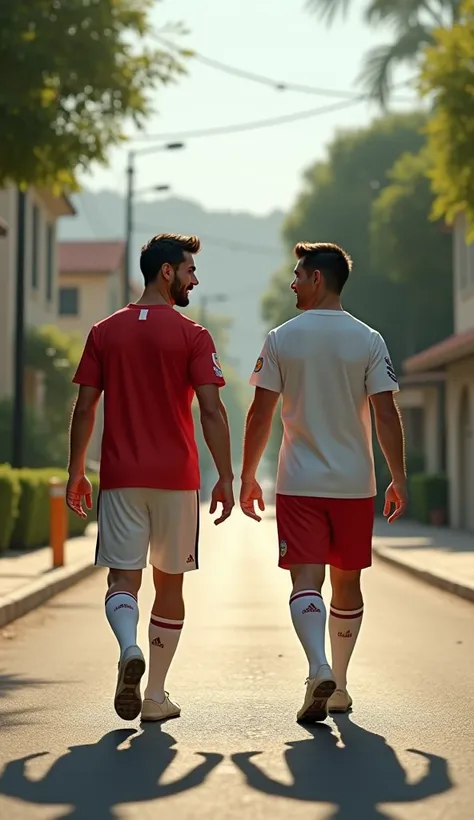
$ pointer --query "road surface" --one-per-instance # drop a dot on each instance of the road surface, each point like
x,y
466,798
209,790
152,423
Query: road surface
x,y
407,750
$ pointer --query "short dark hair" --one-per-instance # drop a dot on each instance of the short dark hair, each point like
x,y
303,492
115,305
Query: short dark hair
x,y
165,248
333,262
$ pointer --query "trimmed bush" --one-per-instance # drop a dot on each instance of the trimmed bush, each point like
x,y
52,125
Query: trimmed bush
x,y
32,522
9,499
429,494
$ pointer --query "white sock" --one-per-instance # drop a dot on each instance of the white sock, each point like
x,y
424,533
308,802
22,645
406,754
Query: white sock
x,y
164,637
308,614
344,628
121,609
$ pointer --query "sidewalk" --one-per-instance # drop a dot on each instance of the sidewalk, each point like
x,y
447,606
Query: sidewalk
x,y
440,556
27,579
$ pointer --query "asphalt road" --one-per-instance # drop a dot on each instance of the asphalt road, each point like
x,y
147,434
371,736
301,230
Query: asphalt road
x,y
406,751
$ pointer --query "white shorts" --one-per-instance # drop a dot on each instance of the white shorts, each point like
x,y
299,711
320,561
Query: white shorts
x,y
131,520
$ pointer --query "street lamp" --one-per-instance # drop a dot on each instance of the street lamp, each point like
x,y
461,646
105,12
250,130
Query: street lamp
x,y
153,149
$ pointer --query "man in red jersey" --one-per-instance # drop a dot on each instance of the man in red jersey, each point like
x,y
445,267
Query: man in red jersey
x,y
149,361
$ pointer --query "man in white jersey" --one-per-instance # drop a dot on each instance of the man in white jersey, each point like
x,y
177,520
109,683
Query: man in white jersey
x,y
329,368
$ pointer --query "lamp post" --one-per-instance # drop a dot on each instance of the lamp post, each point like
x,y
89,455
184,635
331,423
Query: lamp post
x,y
153,149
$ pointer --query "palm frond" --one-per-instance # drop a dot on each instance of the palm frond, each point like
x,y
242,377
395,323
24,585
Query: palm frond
x,y
376,75
328,10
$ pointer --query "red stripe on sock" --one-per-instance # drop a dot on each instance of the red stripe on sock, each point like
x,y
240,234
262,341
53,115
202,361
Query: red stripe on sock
x,y
113,595
164,625
348,616
304,595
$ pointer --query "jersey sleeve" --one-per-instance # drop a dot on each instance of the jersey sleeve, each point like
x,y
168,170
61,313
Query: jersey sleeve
x,y
380,375
89,371
266,372
204,365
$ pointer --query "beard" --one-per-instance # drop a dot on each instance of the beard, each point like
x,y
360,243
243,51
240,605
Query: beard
x,y
179,294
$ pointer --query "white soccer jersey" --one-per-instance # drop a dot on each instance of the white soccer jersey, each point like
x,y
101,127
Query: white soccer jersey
x,y
326,364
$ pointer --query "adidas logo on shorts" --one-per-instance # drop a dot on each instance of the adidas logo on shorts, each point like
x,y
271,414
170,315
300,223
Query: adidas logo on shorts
x,y
157,642
311,608
190,559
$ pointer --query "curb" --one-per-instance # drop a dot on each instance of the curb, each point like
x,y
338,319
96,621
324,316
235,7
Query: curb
x,y
453,587
33,595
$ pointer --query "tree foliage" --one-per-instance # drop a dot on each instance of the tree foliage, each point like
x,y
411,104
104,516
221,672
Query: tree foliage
x,y
448,74
73,71
377,206
414,252
413,23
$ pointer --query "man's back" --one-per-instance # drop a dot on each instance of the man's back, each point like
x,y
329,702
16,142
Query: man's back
x,y
329,364
148,361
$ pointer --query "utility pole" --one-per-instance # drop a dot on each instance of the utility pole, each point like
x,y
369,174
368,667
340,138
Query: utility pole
x,y
19,360
128,226
170,146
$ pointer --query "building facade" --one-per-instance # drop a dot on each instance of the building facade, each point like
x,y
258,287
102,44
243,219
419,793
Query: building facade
x,y
452,362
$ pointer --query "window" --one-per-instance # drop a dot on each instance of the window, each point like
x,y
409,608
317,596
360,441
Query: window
x,y
49,262
35,247
68,301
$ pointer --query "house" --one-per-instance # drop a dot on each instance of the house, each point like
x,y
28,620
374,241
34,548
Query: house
x,y
91,276
447,370
36,246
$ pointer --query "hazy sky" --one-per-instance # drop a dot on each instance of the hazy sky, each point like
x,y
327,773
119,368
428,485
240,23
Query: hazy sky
x,y
260,170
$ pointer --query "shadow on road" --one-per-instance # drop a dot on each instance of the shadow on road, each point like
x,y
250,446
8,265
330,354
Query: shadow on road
x,y
355,777
9,684
91,780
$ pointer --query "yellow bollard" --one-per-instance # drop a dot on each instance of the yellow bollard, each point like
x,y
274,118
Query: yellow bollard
x,y
57,520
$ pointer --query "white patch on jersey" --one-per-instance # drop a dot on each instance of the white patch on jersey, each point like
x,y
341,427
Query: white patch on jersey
x,y
143,314
217,366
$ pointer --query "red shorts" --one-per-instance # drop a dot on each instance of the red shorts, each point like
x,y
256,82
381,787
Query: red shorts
x,y
335,531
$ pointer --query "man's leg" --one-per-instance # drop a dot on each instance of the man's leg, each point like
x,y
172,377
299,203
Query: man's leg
x,y
174,551
122,546
345,619
352,522
304,544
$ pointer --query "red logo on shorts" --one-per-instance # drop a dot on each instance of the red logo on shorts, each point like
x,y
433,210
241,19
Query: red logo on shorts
x,y
311,608
190,559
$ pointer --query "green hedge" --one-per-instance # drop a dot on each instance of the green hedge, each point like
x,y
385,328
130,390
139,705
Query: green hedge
x,y
9,501
428,493
24,507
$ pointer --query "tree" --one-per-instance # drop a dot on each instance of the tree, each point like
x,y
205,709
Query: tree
x,y
54,354
337,199
413,23
415,253
448,74
73,72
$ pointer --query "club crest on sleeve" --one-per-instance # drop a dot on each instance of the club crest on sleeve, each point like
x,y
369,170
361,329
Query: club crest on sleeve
x,y
217,366
283,548
258,365
390,369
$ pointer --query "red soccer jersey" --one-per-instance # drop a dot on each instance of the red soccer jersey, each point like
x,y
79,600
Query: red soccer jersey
x,y
149,361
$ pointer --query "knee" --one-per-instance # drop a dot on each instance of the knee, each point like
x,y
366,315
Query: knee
x,y
167,584
307,576
119,580
346,587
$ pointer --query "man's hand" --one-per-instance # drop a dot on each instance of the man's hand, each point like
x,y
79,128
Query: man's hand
x,y
397,495
251,492
79,487
223,493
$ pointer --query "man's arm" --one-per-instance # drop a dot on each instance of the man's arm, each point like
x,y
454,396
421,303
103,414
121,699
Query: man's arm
x,y
82,426
389,428
215,428
257,430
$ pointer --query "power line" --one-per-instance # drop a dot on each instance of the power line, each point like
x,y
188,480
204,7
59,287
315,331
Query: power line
x,y
277,85
253,125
